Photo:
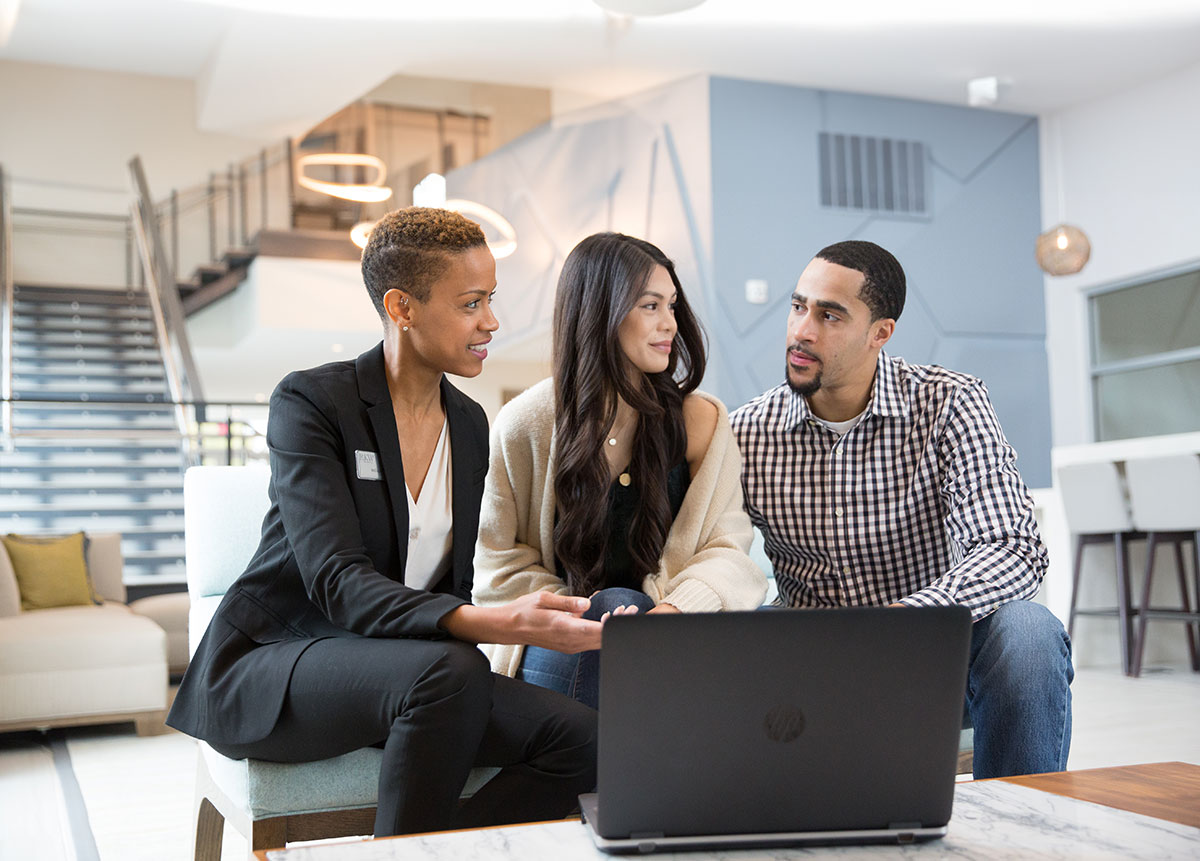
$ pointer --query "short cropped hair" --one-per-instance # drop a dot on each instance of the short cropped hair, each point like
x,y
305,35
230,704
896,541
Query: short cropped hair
x,y
409,249
883,288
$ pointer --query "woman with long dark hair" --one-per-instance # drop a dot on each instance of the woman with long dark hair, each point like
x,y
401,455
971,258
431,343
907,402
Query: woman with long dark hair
x,y
616,479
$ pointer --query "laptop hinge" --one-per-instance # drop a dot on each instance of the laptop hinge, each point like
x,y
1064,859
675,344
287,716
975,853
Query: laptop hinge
x,y
905,830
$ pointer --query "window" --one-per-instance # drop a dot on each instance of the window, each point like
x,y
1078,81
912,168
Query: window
x,y
1146,356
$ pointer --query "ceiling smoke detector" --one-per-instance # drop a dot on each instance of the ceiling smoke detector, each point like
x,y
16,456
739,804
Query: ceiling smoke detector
x,y
646,8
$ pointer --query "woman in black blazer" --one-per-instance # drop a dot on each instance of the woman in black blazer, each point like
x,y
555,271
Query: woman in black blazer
x,y
320,647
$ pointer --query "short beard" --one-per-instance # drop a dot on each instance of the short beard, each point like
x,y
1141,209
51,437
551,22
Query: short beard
x,y
804,389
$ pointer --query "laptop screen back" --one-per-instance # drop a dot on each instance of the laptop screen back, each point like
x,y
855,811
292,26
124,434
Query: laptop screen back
x,y
780,721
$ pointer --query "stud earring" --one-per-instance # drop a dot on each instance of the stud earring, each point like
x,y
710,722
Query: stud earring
x,y
403,328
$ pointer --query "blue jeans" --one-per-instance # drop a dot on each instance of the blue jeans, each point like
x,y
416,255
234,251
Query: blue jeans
x,y
1018,691
578,676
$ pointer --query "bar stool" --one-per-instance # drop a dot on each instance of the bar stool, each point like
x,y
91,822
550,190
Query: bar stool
x,y
1094,503
1164,493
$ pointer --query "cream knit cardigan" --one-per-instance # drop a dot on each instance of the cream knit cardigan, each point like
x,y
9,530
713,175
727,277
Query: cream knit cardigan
x,y
704,565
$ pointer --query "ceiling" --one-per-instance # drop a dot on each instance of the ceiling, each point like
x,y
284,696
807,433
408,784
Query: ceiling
x,y
263,73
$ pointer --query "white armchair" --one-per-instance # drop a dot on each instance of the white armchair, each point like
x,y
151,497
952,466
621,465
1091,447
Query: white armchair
x,y
270,803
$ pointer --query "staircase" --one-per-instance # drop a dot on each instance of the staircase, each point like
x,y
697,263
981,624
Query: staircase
x,y
97,446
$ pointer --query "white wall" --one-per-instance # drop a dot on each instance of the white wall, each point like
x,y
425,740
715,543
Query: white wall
x,y
291,314
288,314
1128,174
68,134
1124,168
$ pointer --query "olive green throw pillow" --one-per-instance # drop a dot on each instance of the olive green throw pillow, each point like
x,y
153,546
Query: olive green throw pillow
x,y
51,570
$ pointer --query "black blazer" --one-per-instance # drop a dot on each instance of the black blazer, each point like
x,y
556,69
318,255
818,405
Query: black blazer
x,y
334,545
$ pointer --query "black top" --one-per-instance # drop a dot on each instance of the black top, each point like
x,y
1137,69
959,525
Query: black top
x,y
622,505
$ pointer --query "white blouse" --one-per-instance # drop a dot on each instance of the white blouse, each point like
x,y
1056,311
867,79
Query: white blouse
x,y
431,520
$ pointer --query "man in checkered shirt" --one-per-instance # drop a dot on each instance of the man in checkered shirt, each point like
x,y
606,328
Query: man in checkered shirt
x,y
880,482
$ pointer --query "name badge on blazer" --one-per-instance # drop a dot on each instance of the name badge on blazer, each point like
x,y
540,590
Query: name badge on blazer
x,y
366,465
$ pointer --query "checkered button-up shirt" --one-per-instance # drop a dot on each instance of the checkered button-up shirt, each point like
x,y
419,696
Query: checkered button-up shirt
x,y
919,503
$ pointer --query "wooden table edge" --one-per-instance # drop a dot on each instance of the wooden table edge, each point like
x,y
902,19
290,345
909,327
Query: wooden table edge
x,y
1164,790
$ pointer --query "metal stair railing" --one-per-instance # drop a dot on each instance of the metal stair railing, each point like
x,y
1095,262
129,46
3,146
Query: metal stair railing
x,y
227,437
183,379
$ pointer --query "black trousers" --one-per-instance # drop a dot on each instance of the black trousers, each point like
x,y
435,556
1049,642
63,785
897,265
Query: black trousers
x,y
437,711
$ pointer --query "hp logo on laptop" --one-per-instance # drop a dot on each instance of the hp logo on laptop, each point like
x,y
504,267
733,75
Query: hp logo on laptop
x,y
784,723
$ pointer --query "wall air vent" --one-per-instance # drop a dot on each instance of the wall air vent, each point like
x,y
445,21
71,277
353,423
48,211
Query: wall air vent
x,y
878,175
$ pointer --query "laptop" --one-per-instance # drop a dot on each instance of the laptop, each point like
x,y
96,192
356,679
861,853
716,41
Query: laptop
x,y
778,728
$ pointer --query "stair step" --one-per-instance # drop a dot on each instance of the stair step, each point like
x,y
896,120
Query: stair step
x,y
17,475
37,312
132,434
65,460
89,378
150,472
134,509
157,536
142,512
101,352
165,574
209,272
62,523
61,407
100,336
150,393
70,363
165,553
22,502
82,295
73,368
82,426
68,321
83,376
81,321
70,387
24,420
87,446
81,482
95,340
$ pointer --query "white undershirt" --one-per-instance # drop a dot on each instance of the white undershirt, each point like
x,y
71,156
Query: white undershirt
x,y
841,428
431,520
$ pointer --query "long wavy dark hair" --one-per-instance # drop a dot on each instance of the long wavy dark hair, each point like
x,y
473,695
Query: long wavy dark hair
x,y
600,283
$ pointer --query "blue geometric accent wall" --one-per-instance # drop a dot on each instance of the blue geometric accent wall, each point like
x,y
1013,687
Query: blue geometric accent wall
x,y
722,174
974,291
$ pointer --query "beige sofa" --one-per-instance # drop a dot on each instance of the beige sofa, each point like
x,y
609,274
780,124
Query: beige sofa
x,y
81,665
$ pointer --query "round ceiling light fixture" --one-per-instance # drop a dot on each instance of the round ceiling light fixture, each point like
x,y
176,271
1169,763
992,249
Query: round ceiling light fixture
x,y
1062,250
646,8
360,233
364,192
500,248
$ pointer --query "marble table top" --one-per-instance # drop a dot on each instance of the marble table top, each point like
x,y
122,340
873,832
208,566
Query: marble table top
x,y
991,819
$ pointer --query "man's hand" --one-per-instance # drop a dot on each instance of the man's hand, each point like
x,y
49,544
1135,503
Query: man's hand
x,y
537,619
664,608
